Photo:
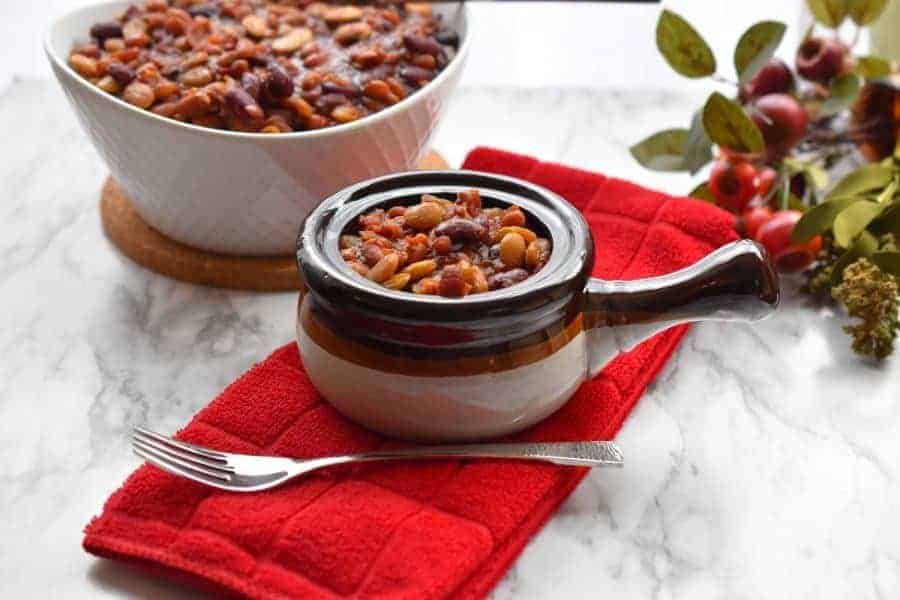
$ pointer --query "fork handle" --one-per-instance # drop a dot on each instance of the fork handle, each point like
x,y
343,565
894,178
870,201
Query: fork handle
x,y
579,454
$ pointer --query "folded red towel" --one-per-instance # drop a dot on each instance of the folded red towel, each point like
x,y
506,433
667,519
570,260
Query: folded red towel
x,y
424,530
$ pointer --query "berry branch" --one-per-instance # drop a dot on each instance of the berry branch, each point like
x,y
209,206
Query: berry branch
x,y
774,148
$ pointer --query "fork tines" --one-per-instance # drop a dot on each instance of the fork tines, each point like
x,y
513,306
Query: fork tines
x,y
180,458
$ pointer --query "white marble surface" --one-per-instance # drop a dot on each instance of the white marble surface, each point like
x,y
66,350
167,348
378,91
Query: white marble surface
x,y
763,463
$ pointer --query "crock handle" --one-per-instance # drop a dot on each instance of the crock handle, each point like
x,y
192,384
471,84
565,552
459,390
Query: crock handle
x,y
737,282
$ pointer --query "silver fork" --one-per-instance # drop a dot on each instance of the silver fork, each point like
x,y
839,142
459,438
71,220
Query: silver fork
x,y
247,473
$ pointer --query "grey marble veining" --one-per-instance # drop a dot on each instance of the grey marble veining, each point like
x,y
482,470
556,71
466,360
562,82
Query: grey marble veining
x,y
762,463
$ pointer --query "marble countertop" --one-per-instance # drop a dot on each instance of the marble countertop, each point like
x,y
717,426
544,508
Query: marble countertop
x,y
762,463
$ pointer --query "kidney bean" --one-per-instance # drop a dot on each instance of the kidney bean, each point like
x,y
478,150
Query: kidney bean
x,y
103,31
278,83
329,102
416,74
123,74
459,229
421,45
243,106
507,278
203,10
252,85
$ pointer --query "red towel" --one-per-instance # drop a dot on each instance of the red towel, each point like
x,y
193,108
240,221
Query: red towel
x,y
425,530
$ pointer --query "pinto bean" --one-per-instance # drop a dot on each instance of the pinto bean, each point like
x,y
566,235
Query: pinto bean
x,y
423,216
385,268
512,250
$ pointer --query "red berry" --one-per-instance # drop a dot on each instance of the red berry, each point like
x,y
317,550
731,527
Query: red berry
x,y
774,78
782,121
820,59
732,183
775,236
765,180
754,218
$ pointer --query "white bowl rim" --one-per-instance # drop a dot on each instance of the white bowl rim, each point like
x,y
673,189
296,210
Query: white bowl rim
x,y
344,128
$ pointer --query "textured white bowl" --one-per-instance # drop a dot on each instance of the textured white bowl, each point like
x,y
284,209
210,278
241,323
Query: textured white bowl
x,y
242,193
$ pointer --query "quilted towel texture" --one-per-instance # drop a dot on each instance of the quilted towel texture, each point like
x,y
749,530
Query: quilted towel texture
x,y
446,529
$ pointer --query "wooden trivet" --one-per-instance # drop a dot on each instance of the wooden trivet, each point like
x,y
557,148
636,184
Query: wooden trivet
x,y
151,249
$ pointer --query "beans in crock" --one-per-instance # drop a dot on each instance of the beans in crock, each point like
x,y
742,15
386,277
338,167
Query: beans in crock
x,y
258,66
445,248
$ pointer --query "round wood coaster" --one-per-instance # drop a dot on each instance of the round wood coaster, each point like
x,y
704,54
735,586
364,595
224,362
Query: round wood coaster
x,y
151,249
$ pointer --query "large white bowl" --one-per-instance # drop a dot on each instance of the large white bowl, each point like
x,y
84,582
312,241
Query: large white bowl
x,y
242,193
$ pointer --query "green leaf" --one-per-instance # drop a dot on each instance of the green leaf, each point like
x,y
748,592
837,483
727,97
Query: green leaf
x,y
698,146
682,47
728,125
889,262
851,221
817,176
830,13
887,194
701,192
756,47
662,151
863,179
864,12
842,93
820,218
872,67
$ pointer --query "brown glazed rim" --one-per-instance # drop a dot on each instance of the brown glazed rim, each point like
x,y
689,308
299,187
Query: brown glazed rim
x,y
326,274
